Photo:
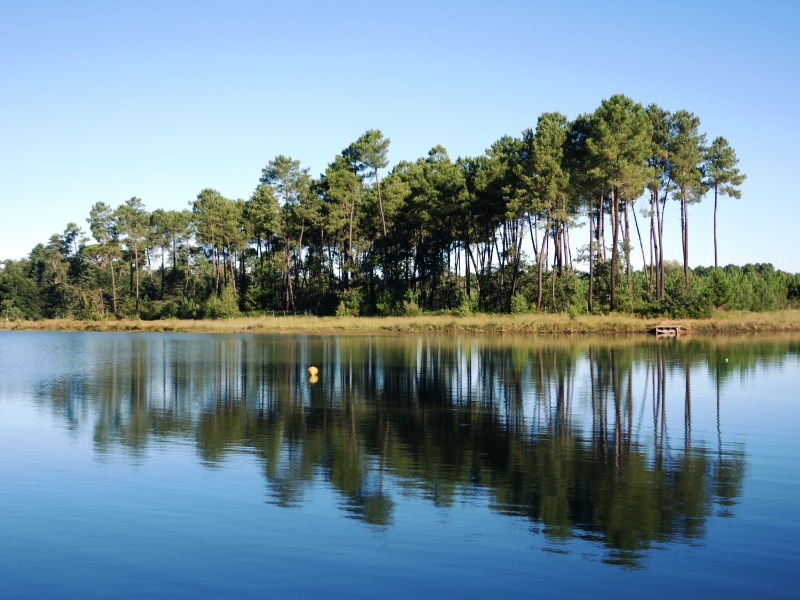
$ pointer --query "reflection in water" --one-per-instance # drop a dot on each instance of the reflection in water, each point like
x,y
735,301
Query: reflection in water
x,y
578,437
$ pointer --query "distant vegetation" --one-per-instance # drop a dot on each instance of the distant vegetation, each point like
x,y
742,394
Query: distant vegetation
x,y
491,234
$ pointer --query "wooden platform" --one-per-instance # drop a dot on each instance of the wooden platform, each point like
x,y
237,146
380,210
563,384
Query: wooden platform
x,y
667,330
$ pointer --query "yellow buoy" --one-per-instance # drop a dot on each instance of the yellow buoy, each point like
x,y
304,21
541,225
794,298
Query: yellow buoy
x,y
313,379
313,371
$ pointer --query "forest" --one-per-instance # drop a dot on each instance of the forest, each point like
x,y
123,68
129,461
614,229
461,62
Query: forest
x,y
492,233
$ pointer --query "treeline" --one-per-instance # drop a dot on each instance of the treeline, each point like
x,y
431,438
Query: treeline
x,y
493,233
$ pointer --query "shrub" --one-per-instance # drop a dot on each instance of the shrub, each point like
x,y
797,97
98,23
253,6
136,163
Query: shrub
x,y
384,304
187,309
349,303
11,312
466,304
519,304
224,306
682,301
411,304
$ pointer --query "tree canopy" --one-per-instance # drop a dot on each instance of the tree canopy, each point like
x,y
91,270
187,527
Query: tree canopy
x,y
492,232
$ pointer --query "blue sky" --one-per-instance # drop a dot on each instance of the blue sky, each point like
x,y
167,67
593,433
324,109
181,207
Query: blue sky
x,y
108,100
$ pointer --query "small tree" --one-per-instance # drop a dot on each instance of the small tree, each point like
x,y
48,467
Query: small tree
x,y
224,306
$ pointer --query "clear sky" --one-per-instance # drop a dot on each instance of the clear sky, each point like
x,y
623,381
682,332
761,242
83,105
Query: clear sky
x,y
108,100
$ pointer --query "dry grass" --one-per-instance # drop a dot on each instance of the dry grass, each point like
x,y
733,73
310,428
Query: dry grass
x,y
730,322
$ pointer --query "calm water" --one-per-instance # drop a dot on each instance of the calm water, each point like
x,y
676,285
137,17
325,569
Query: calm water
x,y
147,465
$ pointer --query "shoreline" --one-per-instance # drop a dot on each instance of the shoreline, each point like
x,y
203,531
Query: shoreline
x,y
533,324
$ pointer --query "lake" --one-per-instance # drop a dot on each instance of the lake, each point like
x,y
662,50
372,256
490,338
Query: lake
x,y
190,465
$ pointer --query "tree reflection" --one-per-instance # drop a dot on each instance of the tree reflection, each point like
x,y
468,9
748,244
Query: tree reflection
x,y
573,436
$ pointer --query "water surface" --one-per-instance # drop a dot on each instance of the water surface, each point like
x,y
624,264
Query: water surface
x,y
172,465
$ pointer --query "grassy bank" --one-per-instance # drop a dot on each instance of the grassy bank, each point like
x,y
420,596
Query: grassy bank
x,y
722,322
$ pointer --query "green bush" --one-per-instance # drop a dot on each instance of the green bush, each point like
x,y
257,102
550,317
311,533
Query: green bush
x,y
519,304
721,289
466,304
349,303
11,312
384,304
187,309
682,301
224,306
768,294
148,309
411,304
169,310
793,288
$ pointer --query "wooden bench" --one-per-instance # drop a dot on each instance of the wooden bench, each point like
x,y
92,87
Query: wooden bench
x,y
667,330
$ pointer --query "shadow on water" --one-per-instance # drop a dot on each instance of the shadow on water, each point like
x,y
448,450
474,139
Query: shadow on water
x,y
588,439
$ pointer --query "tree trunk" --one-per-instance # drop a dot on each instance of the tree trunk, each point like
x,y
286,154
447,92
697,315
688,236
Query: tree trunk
x,y
661,245
298,260
591,257
471,257
113,285
541,262
614,251
289,292
466,270
533,239
231,261
568,249
685,237
653,242
349,253
627,246
555,258
601,233
136,262
380,202
383,223
715,227
517,256
242,280
502,258
644,259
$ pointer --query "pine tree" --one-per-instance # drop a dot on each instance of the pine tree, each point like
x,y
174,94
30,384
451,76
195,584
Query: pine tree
x,y
723,176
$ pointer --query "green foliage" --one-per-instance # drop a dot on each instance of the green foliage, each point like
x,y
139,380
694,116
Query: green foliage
x,y
793,288
152,310
9,312
721,289
686,301
89,305
149,310
126,307
349,303
411,304
519,304
224,306
564,292
769,293
384,304
466,304
351,244
601,294
187,309
19,292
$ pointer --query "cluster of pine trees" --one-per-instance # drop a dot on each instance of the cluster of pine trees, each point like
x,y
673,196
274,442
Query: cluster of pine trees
x,y
489,233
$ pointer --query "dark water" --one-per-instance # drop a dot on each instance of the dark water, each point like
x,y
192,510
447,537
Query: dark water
x,y
147,465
